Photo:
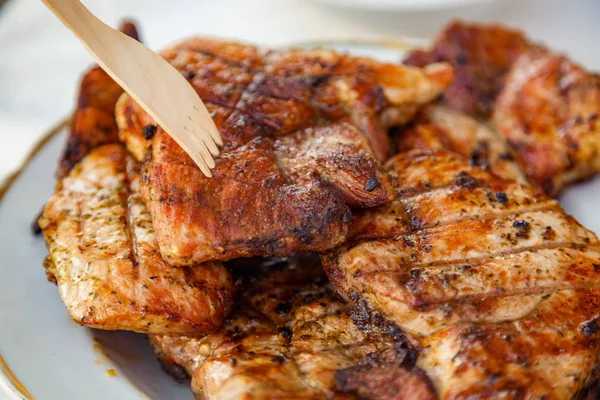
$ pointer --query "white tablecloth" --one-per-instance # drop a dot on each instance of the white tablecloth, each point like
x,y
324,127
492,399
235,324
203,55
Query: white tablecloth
x,y
41,62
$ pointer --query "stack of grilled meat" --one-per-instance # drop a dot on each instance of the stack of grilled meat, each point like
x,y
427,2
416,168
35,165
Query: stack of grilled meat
x,y
372,230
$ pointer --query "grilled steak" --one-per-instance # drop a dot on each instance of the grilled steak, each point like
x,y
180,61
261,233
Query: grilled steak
x,y
492,282
104,257
285,340
93,123
440,127
304,132
545,106
548,112
481,56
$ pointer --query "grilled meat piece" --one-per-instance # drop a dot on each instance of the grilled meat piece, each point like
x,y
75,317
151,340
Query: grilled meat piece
x,y
548,112
303,133
285,339
104,257
544,105
492,281
93,123
481,56
388,375
440,127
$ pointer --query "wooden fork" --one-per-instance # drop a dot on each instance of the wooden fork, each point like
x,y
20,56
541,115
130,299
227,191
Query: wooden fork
x,y
157,86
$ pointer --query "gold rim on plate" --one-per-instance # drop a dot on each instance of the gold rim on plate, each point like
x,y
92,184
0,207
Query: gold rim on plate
x,y
11,381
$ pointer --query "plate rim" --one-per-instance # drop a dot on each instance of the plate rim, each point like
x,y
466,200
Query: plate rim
x,y
8,380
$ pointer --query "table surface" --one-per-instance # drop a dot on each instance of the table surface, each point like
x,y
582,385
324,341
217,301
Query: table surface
x,y
41,62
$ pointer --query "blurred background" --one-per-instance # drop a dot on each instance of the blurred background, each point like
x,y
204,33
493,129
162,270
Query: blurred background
x,y
41,62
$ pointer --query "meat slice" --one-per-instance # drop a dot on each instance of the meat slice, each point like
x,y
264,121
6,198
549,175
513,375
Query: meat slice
x,y
544,105
441,127
104,257
481,56
491,281
286,338
388,375
548,112
93,123
304,134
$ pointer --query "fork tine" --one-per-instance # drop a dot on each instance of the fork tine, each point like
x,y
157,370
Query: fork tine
x,y
201,162
199,145
206,121
216,137
206,137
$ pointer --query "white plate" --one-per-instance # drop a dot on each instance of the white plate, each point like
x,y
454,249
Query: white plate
x,y
54,358
403,5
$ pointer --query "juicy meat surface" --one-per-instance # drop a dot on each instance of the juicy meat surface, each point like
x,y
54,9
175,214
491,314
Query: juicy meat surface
x,y
104,257
304,134
481,56
286,338
441,127
491,281
93,122
548,112
388,375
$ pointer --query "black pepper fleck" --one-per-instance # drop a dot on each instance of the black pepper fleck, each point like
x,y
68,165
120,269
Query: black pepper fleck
x,y
501,197
371,184
465,180
522,228
590,327
521,225
148,131
285,332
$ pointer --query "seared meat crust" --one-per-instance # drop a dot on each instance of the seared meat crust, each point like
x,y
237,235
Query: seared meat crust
x,y
545,106
285,340
440,127
104,256
548,112
481,56
93,123
492,281
304,133
388,375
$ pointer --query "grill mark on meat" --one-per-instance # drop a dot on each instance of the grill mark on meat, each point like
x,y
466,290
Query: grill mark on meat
x,y
567,245
326,94
414,225
105,261
285,339
428,285
495,305
126,192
